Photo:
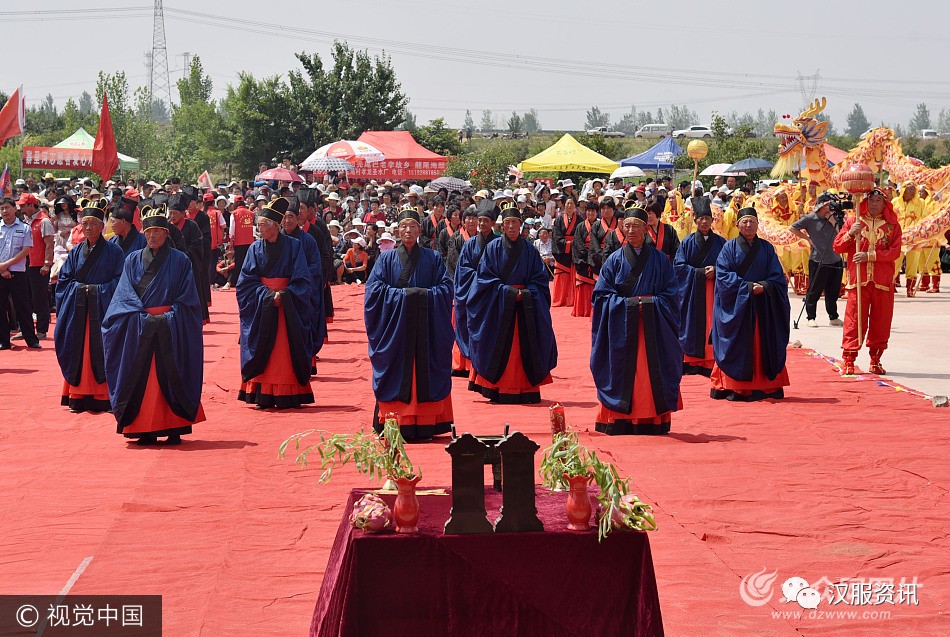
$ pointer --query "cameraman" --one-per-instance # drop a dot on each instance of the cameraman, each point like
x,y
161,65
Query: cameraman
x,y
825,268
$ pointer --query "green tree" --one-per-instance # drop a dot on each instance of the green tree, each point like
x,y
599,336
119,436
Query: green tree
x,y
469,122
596,118
857,121
255,116
920,120
44,122
514,123
438,138
487,123
821,117
199,139
530,122
86,105
408,121
943,121
765,123
628,122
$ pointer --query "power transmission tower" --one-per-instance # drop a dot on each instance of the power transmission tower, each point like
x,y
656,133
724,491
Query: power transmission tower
x,y
808,85
159,86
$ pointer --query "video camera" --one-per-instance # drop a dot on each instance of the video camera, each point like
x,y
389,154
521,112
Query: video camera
x,y
838,204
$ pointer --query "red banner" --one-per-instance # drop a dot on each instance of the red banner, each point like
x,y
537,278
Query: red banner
x,y
398,170
56,158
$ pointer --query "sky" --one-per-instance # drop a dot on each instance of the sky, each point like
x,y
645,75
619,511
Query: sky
x,y
557,57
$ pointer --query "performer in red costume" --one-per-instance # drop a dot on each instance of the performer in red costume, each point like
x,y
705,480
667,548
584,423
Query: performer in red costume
x,y
872,242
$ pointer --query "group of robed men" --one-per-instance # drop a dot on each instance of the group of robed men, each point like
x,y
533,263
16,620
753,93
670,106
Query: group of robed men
x,y
128,334
719,308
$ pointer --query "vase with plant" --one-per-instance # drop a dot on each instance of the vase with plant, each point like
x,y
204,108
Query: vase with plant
x,y
380,456
617,508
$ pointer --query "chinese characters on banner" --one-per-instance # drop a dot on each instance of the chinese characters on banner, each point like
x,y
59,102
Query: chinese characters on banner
x,y
398,169
51,158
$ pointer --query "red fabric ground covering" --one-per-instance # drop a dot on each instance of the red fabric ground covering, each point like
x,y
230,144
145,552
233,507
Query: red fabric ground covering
x,y
842,479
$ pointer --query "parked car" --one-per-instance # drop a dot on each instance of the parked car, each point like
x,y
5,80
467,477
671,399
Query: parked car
x,y
604,131
654,131
694,132
929,133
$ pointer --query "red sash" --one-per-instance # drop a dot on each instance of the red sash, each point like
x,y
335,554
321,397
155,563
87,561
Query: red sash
x,y
658,236
587,238
613,224
621,237
569,228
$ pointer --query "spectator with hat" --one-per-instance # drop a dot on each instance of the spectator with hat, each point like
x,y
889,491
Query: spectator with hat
x,y
825,268
16,242
84,289
356,262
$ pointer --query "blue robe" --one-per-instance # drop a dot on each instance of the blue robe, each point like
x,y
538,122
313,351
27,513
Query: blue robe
x,y
84,290
131,336
465,271
283,259
133,241
690,263
409,325
318,321
736,310
615,322
492,310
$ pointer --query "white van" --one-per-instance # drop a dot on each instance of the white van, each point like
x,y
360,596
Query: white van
x,y
654,131
928,133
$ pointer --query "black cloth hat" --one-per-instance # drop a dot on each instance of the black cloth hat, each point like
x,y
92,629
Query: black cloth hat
x,y
486,208
749,211
309,196
635,212
408,212
701,207
154,217
124,209
294,206
95,209
177,201
191,192
276,209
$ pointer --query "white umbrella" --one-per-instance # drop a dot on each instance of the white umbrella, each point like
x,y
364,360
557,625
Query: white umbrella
x,y
355,152
627,172
719,170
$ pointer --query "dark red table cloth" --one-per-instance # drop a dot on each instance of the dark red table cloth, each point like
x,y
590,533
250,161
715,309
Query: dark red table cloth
x,y
555,583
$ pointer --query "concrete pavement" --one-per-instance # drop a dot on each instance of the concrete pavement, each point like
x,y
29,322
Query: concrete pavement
x,y
917,354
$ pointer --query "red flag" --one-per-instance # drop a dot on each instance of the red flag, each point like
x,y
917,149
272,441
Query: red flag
x,y
6,190
13,116
105,157
204,181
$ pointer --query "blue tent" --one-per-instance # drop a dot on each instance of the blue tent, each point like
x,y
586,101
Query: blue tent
x,y
656,158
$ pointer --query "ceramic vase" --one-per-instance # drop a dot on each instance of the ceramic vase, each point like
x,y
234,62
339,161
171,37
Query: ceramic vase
x,y
578,502
406,509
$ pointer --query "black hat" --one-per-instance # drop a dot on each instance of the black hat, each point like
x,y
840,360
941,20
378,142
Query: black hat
x,y
408,212
275,210
509,209
70,204
701,207
294,206
95,209
191,192
177,201
748,211
823,198
154,217
309,196
160,199
124,208
635,212
486,208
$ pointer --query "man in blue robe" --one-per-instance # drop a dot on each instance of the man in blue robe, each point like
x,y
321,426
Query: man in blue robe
x,y
466,269
84,290
408,315
125,234
750,317
152,340
511,338
311,250
274,294
635,357
695,266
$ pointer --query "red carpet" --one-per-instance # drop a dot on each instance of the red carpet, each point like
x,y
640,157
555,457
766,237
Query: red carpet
x,y
842,479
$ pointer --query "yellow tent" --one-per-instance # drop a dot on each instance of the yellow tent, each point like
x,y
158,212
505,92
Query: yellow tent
x,y
568,155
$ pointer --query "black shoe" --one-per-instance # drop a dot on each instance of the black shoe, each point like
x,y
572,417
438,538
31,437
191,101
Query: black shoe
x,y
147,439
34,345
173,440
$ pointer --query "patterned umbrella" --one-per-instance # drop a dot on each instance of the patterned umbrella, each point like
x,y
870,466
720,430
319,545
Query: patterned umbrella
x,y
326,164
452,184
279,174
352,151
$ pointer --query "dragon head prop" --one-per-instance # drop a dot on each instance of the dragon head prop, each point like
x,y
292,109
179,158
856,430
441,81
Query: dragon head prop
x,y
806,133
